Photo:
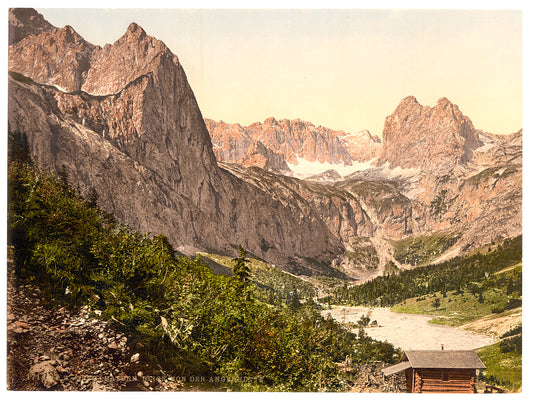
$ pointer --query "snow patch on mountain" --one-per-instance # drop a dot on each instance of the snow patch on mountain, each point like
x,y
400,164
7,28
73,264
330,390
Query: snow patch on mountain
x,y
304,168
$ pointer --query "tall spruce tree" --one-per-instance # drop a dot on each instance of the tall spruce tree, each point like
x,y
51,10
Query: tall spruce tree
x,y
240,269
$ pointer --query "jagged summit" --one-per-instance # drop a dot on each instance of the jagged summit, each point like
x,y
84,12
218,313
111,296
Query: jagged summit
x,y
294,139
428,138
26,21
408,100
444,101
136,134
136,29
69,35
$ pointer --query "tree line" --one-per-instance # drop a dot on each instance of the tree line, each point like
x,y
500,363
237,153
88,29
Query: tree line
x,y
454,274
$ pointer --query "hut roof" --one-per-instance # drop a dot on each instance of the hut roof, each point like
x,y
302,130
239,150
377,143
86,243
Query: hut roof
x,y
396,368
443,359
446,359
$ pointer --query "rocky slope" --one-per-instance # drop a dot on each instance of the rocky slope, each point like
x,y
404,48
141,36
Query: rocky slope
x,y
123,119
26,21
134,132
293,140
55,348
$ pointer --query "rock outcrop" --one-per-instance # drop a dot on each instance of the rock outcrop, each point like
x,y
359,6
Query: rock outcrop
x,y
26,21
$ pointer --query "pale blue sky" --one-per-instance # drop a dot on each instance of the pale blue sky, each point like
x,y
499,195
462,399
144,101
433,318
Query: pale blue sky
x,y
344,69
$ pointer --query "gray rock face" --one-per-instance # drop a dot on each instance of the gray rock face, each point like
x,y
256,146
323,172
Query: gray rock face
x,y
134,132
143,145
45,373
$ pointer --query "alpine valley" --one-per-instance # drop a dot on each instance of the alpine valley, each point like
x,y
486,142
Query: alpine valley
x,y
152,248
123,120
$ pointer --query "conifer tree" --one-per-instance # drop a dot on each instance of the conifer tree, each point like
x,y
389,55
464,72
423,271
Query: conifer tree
x,y
240,269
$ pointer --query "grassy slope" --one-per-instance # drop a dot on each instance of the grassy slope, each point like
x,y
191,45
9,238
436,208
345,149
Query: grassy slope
x,y
458,309
269,277
421,250
503,369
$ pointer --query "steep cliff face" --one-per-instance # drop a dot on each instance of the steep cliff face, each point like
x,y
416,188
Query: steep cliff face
x,y
123,119
143,114
431,139
293,139
362,146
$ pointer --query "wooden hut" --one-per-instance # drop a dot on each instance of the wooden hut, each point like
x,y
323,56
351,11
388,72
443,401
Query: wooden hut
x,y
438,371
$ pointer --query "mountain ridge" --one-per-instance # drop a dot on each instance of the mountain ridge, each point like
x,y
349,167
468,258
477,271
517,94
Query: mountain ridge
x,y
155,123
135,133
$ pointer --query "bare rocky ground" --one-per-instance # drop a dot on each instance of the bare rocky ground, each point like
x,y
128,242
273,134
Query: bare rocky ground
x,y
368,378
59,349
496,324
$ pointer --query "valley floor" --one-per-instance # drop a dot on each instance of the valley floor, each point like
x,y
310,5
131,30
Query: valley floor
x,y
410,331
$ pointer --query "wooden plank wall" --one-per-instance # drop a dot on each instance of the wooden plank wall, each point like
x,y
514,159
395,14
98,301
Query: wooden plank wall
x,y
431,381
409,380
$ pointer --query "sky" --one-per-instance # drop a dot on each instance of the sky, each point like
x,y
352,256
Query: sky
x,y
346,69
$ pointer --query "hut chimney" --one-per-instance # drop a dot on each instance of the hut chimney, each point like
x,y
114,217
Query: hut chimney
x,y
442,346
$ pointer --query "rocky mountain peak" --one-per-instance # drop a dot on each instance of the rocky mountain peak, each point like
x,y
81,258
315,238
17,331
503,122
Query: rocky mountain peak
x,y
67,34
293,139
136,30
409,100
131,56
444,102
271,121
428,138
26,21
53,56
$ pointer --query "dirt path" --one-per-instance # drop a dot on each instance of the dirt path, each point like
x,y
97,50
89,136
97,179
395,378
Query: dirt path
x,y
409,331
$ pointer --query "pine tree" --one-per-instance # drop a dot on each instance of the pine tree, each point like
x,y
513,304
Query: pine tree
x,y
240,269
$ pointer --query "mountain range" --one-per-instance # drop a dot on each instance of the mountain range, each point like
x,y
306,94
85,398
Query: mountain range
x,y
122,119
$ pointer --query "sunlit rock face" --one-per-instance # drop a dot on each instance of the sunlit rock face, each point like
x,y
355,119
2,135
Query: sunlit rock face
x,y
294,140
123,120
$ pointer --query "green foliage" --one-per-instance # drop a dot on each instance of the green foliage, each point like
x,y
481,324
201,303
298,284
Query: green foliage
x,y
454,274
492,174
439,205
476,300
391,268
240,268
511,344
513,332
270,284
423,249
504,369
189,320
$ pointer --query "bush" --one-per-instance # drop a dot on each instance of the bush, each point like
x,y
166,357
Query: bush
x,y
513,303
511,344
190,320
512,332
